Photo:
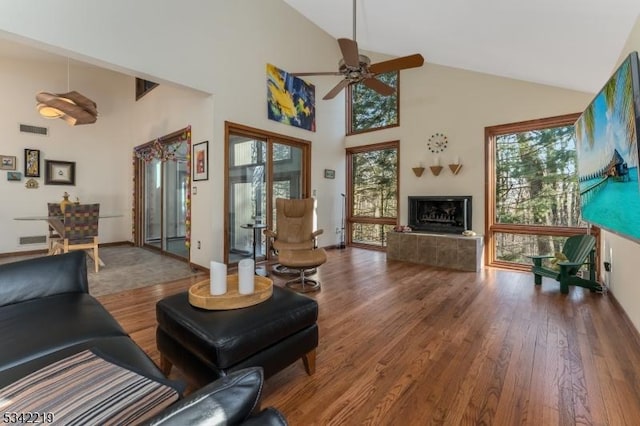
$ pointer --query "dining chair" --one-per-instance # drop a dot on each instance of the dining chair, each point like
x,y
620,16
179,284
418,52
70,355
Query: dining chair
x,y
53,210
80,231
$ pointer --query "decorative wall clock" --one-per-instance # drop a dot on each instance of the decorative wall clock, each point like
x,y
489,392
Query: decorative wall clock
x,y
437,143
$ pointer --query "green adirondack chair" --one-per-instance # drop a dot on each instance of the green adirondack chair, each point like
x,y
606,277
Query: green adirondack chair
x,y
579,250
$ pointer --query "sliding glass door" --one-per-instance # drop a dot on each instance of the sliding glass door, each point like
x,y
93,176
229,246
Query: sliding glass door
x,y
165,195
161,191
247,198
261,167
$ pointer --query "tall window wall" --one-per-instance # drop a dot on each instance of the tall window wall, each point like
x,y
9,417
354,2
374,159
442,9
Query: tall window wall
x,y
372,195
367,110
532,195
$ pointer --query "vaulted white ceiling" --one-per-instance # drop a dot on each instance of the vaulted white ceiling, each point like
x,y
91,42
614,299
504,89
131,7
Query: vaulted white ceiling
x,y
573,44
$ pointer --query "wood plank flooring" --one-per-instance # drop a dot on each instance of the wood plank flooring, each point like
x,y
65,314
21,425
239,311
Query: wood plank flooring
x,y
415,345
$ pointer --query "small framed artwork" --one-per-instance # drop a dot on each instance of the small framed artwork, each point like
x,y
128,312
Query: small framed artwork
x,y
59,172
14,176
201,161
329,174
7,162
31,162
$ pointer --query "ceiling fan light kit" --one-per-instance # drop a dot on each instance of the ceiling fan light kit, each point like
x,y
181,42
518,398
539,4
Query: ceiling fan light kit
x,y
356,68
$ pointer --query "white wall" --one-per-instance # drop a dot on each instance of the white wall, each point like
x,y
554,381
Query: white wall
x,y
97,149
223,51
621,252
102,151
162,111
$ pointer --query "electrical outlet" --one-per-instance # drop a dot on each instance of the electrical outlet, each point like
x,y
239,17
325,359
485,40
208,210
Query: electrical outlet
x,y
199,245
337,230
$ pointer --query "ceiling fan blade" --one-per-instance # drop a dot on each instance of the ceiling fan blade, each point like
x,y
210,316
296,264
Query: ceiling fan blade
x,y
411,61
350,53
301,74
378,86
333,92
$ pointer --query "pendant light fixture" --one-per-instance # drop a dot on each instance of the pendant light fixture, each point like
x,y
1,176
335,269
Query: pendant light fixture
x,y
72,107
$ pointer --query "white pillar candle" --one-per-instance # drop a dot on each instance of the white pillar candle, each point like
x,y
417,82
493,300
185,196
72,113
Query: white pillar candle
x,y
436,161
246,272
217,278
456,160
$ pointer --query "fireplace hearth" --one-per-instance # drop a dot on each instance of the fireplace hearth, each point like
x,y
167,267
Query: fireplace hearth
x,y
440,214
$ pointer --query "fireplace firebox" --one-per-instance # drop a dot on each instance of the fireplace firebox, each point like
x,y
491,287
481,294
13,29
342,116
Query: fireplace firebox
x,y
440,214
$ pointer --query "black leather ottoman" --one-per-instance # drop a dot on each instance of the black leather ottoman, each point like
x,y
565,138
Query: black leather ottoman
x,y
206,345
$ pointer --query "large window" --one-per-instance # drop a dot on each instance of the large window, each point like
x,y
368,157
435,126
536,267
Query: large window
x,y
368,110
532,189
373,193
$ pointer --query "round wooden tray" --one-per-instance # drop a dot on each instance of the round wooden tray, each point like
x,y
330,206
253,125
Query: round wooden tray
x,y
199,295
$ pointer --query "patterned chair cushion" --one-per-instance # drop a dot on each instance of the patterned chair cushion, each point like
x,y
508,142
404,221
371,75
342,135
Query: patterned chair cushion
x,y
81,222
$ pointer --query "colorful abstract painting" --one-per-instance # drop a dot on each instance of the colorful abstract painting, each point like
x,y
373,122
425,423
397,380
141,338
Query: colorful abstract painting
x,y
290,99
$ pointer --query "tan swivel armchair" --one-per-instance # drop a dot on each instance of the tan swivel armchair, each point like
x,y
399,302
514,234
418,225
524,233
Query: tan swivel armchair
x,y
296,241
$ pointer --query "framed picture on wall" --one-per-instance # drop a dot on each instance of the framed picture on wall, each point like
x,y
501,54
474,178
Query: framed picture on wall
x,y
200,160
14,176
31,162
7,162
59,172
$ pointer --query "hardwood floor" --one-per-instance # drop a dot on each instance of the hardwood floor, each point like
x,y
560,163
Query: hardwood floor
x,y
410,344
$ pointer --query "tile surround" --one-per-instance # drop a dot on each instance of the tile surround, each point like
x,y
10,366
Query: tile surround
x,y
443,250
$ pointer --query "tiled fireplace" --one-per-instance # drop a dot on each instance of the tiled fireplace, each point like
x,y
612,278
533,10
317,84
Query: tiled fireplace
x,y
443,250
437,223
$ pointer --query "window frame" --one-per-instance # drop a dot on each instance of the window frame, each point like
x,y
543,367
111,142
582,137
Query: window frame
x,y
349,111
350,218
491,227
269,138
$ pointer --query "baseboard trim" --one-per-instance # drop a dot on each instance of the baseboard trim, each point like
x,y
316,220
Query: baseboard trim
x,y
334,247
625,317
45,251
197,267
23,253
116,243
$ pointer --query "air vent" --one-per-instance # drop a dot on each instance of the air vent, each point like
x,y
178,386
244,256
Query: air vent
x,y
26,128
38,239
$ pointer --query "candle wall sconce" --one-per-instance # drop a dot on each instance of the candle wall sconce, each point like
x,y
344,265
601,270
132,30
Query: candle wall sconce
x,y
418,171
436,170
455,168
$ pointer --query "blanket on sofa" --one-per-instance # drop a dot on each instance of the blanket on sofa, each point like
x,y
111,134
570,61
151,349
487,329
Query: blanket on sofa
x,y
84,389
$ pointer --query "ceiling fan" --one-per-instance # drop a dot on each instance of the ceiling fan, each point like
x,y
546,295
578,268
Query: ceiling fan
x,y
356,68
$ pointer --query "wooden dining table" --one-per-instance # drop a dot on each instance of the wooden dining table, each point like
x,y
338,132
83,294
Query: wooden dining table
x,y
57,224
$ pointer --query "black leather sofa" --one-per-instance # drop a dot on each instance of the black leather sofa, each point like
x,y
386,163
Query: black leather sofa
x,y
47,314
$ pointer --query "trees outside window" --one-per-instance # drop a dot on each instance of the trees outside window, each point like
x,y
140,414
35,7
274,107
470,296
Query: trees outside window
x,y
532,189
372,194
367,110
